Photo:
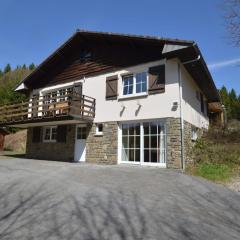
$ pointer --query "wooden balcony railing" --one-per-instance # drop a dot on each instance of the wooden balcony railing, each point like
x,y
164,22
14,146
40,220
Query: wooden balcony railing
x,y
71,105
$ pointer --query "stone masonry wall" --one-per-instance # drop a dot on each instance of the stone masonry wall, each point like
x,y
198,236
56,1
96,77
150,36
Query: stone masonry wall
x,y
52,151
188,142
173,142
103,149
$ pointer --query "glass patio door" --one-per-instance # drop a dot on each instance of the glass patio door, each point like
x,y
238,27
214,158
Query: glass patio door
x,y
154,143
131,143
144,143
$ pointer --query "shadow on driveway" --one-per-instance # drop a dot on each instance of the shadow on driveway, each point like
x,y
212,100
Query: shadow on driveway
x,y
40,214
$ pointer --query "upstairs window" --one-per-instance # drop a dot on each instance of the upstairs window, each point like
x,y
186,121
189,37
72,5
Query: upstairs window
x,y
135,83
128,85
141,82
62,93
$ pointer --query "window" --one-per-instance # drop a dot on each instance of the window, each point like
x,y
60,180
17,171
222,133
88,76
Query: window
x,y
49,134
99,129
194,133
135,83
128,85
81,133
141,82
131,142
62,93
85,56
154,142
54,97
144,142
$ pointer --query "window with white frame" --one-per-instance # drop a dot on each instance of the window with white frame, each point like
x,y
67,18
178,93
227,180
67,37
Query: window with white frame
x,y
194,133
144,142
141,82
134,84
62,93
50,134
128,85
154,142
131,142
99,129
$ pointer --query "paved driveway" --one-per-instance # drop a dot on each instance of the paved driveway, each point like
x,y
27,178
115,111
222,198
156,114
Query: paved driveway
x,y
53,200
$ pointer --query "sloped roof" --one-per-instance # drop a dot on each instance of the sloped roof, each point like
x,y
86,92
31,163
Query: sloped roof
x,y
170,48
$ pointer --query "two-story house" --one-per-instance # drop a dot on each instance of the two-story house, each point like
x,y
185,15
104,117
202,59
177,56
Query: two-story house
x,y
114,98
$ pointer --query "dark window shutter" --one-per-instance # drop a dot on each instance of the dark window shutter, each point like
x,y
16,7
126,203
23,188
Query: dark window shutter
x,y
36,137
61,133
112,87
156,79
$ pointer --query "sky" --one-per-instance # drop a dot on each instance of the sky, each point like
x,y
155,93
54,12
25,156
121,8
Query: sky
x,y
31,30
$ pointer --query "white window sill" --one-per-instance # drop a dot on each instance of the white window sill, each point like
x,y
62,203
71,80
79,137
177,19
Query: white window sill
x,y
122,97
98,134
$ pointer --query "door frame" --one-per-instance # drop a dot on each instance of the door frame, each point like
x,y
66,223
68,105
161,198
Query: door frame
x,y
75,139
141,162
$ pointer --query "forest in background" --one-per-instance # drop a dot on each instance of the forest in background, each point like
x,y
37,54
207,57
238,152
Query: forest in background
x,y
9,78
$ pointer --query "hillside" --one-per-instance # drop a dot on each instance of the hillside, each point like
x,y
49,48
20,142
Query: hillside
x,y
16,142
8,81
217,156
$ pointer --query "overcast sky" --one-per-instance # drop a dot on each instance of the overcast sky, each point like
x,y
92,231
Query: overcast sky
x,y
31,30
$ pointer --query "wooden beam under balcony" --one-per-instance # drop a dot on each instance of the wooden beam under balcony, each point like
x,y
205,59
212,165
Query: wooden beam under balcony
x,y
47,109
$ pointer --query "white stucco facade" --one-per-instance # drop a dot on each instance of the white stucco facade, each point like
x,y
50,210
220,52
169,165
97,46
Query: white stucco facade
x,y
191,105
156,106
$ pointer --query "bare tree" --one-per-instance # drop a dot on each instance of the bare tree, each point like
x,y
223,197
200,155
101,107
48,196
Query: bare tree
x,y
232,17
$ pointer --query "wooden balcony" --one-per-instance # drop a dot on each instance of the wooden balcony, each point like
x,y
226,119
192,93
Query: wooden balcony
x,y
37,111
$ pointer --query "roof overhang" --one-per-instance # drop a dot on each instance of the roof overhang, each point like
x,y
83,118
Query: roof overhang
x,y
194,63
170,48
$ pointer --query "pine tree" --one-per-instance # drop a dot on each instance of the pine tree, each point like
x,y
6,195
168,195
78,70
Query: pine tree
x,y
32,66
233,104
225,100
7,68
24,66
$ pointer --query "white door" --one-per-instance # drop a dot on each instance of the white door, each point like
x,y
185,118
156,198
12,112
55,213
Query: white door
x,y
80,144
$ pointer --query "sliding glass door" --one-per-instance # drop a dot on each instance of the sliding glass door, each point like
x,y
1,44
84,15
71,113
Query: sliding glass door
x,y
144,143
154,142
131,142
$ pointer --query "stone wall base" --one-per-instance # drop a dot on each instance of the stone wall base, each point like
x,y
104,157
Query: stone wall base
x,y
52,150
103,149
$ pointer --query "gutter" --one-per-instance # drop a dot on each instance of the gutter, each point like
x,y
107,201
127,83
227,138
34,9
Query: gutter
x,y
180,109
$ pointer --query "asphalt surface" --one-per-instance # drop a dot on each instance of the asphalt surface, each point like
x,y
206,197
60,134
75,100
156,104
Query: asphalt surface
x,y
54,200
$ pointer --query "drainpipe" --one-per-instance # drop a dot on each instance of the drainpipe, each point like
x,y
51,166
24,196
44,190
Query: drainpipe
x,y
181,116
180,108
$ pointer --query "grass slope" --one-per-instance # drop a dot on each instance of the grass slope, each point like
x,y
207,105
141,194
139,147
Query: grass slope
x,y
217,155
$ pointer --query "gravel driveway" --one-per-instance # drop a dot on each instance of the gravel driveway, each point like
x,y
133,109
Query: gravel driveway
x,y
54,200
